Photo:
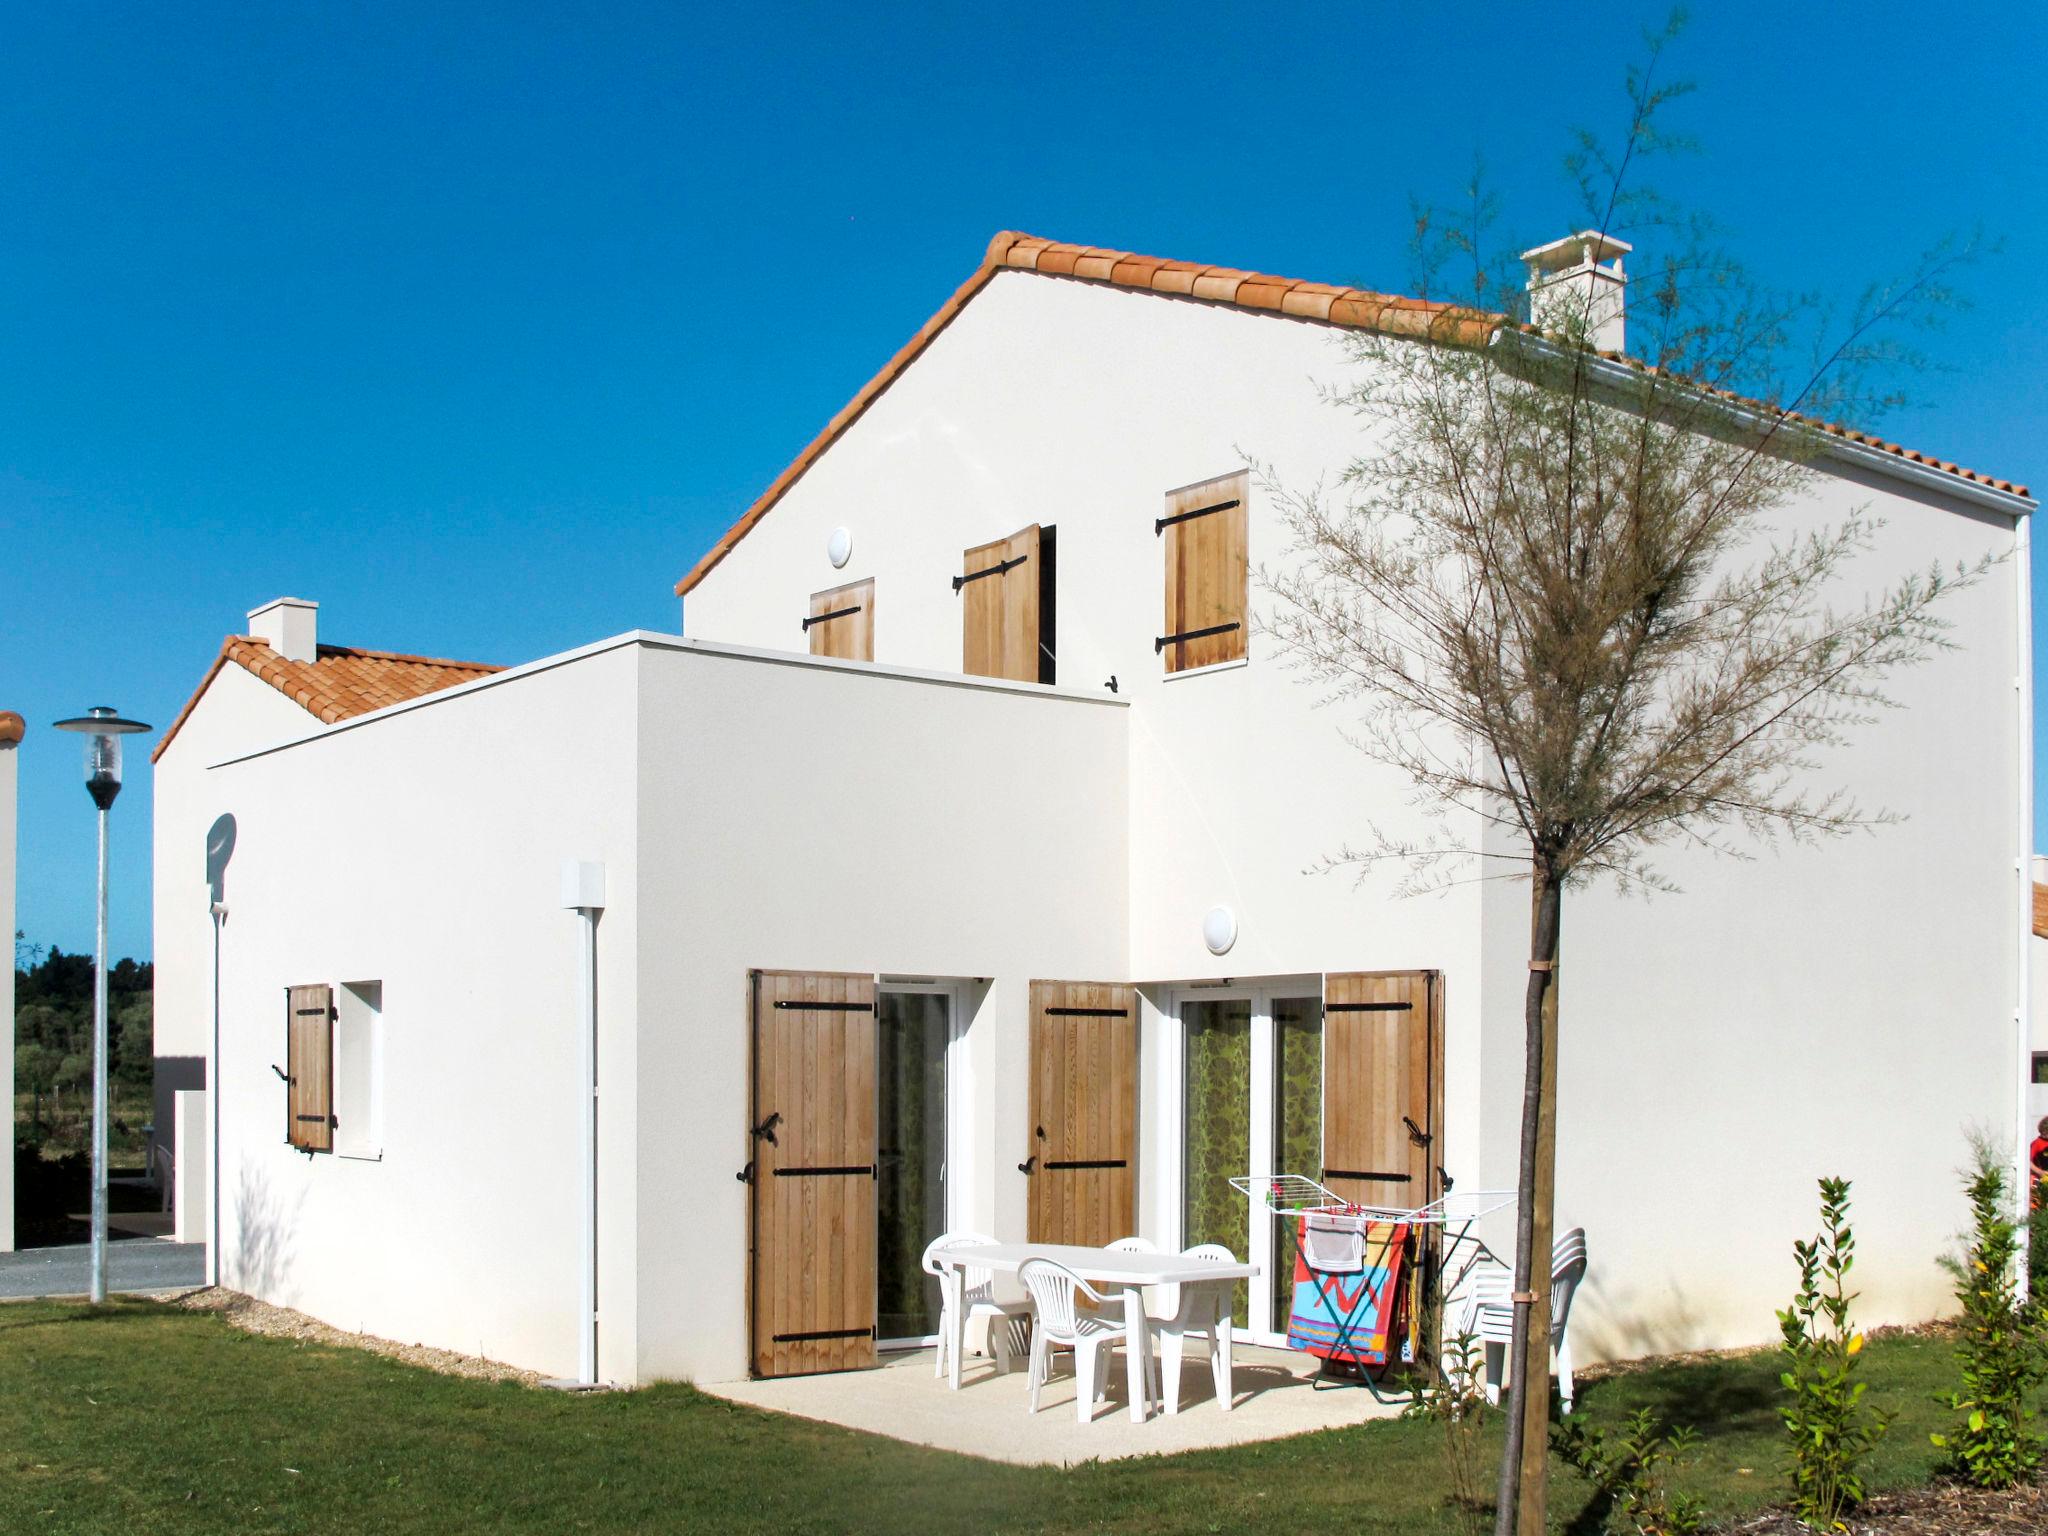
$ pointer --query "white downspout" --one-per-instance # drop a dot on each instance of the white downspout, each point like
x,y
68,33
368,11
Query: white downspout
x,y
583,892
2023,686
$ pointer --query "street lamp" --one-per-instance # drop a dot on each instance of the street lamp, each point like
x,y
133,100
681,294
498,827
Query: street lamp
x,y
103,730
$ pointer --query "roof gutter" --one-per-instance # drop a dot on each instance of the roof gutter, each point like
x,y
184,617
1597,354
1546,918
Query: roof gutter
x,y
1624,379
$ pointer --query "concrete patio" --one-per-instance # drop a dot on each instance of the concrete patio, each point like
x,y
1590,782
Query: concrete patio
x,y
989,1416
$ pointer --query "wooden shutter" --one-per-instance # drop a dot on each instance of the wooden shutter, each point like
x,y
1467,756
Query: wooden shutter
x,y
1207,575
309,1067
1084,1112
842,621
1382,1086
1003,628
812,1142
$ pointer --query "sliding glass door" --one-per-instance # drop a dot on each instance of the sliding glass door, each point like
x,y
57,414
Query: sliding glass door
x,y
913,1045
1251,1071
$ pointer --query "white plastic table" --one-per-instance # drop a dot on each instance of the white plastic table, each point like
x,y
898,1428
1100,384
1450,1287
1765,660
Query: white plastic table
x,y
1109,1269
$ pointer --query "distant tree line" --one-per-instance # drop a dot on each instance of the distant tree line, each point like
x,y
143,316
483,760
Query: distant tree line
x,y
53,1039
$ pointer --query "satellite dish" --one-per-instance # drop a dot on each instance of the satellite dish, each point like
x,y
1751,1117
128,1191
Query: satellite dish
x,y
220,847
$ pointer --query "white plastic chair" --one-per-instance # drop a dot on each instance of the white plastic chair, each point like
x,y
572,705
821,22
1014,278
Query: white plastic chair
x,y
1489,1311
1203,1311
1058,1322
969,1292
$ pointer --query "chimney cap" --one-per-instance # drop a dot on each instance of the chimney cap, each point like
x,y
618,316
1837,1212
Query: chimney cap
x,y
283,602
1586,248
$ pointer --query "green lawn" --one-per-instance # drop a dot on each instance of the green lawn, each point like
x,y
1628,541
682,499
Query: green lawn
x,y
143,1418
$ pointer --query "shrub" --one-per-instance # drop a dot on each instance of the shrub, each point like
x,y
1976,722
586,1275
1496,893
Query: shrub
x,y
1829,1426
1629,1473
1454,1398
2000,1352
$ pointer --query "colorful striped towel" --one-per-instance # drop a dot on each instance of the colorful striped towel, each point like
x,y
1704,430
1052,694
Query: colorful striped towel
x,y
1349,1317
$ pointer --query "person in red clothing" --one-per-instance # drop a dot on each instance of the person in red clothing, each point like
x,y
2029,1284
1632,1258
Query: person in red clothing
x,y
2037,1158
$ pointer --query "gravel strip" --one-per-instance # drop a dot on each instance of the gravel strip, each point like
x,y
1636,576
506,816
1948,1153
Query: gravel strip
x,y
253,1316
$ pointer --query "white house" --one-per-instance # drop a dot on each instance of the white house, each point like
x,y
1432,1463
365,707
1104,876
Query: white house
x,y
947,871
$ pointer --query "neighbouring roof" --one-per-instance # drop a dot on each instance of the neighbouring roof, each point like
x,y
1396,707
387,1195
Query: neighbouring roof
x,y
341,681
1351,308
12,727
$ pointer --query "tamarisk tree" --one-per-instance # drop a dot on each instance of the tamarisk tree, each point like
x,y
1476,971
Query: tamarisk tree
x,y
1555,595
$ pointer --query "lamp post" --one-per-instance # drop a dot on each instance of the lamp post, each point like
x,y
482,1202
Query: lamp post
x,y
103,730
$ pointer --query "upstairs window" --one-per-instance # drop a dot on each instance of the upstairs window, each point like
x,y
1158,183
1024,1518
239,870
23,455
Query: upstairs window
x,y
842,622
1006,607
1202,533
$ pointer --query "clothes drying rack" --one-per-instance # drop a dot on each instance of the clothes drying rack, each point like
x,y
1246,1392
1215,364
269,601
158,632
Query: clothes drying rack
x,y
1453,1214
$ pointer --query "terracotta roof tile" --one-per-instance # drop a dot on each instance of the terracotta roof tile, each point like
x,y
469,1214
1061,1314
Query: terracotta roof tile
x,y
1356,308
12,727
339,683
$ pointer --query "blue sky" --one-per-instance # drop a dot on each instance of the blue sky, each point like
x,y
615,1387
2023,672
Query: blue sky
x,y
478,324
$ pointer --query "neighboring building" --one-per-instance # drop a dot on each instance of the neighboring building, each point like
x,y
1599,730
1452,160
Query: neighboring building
x,y
988,910
11,729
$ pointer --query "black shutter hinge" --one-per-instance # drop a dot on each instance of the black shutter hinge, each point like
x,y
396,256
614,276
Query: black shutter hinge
x,y
746,1174
997,569
1025,1166
1161,642
826,618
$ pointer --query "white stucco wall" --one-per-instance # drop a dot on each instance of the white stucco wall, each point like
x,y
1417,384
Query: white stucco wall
x,y
828,816
9,780
238,713
422,848
1849,1009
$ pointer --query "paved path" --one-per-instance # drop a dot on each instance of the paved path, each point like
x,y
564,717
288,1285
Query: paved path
x,y
133,1264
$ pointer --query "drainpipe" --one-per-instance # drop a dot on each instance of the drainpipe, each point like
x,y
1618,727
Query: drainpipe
x,y
2023,687
583,893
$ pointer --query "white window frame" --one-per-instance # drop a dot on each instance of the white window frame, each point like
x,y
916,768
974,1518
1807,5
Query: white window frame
x,y
1260,993
359,1128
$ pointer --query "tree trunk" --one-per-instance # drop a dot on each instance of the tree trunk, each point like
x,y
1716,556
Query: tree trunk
x,y
1522,1505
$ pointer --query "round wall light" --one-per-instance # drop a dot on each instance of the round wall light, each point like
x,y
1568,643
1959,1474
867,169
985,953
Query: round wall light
x,y
839,547
1219,930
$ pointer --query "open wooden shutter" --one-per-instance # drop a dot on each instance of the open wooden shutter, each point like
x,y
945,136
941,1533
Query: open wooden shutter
x,y
842,621
1005,628
1207,574
309,1067
1083,1161
1382,1086
812,1140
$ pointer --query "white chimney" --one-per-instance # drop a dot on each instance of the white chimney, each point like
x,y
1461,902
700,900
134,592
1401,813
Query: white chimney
x,y
1569,287
290,626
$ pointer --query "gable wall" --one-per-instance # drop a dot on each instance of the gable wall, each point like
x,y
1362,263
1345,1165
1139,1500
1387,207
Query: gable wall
x,y
238,713
1848,1007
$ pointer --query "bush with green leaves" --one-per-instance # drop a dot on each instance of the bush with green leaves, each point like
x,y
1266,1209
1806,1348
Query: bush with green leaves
x,y
2000,1349
1454,1398
1830,1428
1630,1471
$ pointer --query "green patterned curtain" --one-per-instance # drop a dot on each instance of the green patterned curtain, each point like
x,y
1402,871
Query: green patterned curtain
x,y
1297,1124
1218,1126
910,1137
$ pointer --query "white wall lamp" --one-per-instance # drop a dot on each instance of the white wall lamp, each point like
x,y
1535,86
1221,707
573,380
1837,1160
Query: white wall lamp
x,y
583,893
839,547
1219,930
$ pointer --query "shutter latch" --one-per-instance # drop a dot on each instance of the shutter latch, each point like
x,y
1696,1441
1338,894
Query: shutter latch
x,y
765,1131
281,1074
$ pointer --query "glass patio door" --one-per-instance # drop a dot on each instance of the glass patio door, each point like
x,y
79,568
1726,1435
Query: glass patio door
x,y
914,1034
1252,1102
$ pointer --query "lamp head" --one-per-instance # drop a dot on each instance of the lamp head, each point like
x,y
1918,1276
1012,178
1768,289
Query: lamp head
x,y
103,729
